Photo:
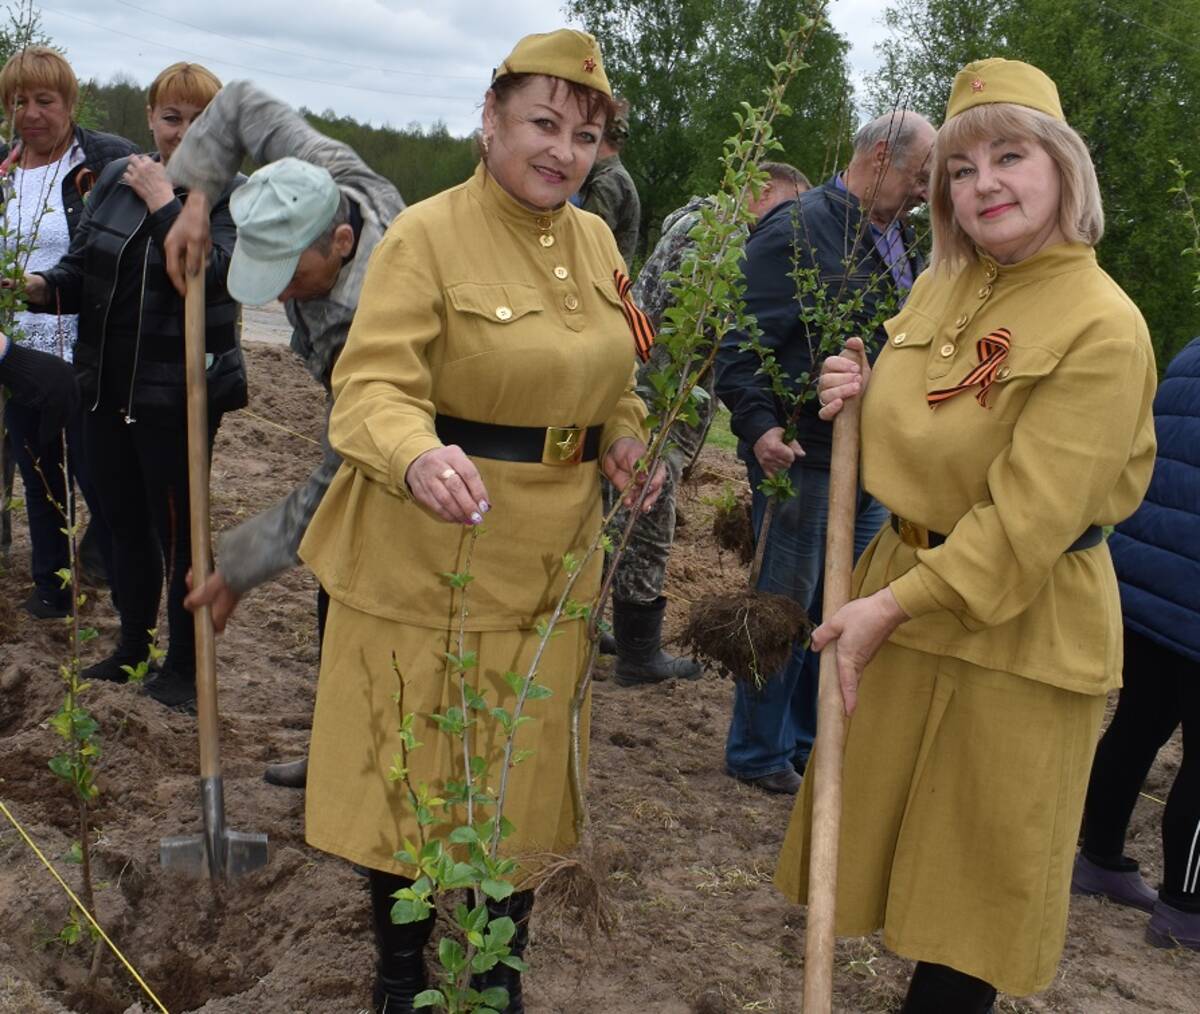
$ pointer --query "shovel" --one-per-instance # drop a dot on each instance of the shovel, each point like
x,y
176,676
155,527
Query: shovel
x,y
826,767
219,853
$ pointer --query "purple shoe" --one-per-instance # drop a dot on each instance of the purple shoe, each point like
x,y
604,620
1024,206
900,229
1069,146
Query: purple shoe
x,y
1173,927
1123,887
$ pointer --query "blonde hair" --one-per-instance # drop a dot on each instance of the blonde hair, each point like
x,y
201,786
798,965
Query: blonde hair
x,y
38,67
1080,210
184,82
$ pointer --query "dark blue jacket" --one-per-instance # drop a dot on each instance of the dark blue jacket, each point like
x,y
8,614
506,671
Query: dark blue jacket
x,y
822,228
1157,550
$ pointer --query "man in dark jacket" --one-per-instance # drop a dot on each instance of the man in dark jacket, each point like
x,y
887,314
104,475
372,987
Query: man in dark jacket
x,y
841,249
1156,553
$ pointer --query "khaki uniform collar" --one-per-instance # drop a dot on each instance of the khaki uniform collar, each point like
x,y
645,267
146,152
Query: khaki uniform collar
x,y
1053,260
498,200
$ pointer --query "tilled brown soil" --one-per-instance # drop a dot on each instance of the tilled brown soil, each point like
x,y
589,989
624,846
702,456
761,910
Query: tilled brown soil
x,y
688,853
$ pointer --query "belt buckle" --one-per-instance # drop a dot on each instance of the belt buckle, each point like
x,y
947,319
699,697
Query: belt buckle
x,y
563,445
913,535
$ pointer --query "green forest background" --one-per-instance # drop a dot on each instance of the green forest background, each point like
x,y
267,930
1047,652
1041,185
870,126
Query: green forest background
x,y
1128,73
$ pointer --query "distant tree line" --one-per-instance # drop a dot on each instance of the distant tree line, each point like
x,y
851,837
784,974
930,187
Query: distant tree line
x,y
420,161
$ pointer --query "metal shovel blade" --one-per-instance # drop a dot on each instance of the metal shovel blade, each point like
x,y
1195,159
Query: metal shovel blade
x,y
218,853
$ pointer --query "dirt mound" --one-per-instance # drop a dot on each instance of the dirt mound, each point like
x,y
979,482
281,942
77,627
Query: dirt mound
x,y
685,853
747,635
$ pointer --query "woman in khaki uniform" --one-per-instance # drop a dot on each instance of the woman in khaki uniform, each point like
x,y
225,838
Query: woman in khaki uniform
x,y
488,372
1008,418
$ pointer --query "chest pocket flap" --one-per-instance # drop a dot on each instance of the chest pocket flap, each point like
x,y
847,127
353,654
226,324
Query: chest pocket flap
x,y
910,329
500,302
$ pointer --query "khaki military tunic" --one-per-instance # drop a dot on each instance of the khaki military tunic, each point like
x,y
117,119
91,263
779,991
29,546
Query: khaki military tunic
x,y
968,755
478,308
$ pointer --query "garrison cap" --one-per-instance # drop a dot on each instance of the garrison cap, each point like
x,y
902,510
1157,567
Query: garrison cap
x,y
566,53
1000,80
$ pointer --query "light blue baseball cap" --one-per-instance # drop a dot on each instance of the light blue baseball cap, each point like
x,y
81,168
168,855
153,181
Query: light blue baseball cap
x,y
279,212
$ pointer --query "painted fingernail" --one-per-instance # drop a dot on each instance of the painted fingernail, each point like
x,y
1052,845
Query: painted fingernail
x,y
484,506
476,518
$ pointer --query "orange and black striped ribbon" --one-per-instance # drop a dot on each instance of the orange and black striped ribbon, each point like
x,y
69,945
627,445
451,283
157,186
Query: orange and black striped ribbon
x,y
639,323
993,350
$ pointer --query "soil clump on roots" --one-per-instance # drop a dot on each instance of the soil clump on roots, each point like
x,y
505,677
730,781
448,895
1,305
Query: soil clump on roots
x,y
747,636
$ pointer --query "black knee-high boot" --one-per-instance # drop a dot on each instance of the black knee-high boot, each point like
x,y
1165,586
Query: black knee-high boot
x,y
517,907
400,972
937,989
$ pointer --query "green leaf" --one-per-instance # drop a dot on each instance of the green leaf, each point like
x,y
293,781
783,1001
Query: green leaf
x,y
496,996
500,932
537,692
451,955
429,998
464,836
497,890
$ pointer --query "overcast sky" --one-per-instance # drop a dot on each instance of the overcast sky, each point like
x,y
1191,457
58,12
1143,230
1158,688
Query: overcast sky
x,y
382,61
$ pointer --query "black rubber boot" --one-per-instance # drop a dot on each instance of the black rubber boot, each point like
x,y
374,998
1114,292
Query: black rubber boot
x,y
289,774
640,658
517,907
939,989
400,971
111,668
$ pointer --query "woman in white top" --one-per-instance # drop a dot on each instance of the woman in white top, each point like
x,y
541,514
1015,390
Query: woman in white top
x,y
46,175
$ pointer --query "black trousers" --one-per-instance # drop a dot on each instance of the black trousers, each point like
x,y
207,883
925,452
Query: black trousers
x,y
41,466
141,481
1161,692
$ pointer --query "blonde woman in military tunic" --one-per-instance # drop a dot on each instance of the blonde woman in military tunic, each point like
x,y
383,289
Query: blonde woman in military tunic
x,y
1007,420
488,373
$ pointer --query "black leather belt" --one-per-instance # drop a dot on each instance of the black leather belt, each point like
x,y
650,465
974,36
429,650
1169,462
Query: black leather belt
x,y
922,538
550,445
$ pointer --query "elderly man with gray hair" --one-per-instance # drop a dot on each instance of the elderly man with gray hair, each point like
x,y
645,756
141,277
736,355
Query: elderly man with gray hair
x,y
307,222
850,234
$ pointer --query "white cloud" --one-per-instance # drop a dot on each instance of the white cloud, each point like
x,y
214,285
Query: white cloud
x,y
381,61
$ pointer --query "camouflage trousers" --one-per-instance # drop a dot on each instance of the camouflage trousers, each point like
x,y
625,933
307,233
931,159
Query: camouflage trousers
x,y
642,569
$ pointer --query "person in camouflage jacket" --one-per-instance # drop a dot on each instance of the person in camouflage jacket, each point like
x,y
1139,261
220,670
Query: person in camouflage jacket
x,y
609,190
243,121
638,601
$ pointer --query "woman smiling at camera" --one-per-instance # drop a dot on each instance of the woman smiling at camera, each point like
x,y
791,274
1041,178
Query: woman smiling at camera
x,y
487,375
53,164
1007,420
130,363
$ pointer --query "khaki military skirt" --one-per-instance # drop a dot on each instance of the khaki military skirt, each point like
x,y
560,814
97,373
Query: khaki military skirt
x,y
355,811
963,792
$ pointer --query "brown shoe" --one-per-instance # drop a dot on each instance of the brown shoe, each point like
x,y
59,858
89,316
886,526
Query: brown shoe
x,y
289,774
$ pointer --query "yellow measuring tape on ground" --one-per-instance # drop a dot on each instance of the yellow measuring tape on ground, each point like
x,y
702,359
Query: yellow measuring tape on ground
x,y
79,905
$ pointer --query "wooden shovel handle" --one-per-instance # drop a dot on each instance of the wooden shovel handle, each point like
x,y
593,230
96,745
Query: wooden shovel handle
x,y
197,447
826,766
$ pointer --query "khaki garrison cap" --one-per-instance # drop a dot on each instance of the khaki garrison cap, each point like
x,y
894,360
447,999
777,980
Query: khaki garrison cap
x,y
999,80
568,54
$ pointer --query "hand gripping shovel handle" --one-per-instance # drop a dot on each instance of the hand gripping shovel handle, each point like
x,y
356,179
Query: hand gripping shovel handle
x,y
220,852
826,766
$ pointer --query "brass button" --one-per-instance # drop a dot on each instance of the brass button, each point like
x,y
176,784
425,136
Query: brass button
x,y
546,239
544,223
899,339
561,273
961,322
1003,373
571,301
503,313
985,292
947,350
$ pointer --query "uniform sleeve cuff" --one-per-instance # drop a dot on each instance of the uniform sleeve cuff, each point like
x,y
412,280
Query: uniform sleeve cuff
x,y
406,454
913,595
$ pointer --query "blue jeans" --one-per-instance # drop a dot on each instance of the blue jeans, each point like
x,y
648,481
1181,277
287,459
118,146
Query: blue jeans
x,y
774,727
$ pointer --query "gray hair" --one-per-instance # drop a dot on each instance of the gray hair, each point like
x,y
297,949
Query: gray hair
x,y
341,216
897,129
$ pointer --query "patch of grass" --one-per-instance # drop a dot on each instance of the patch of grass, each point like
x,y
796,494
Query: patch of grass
x,y
719,434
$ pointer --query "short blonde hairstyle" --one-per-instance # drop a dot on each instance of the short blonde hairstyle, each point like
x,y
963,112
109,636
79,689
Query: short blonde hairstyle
x,y
184,82
1080,210
38,67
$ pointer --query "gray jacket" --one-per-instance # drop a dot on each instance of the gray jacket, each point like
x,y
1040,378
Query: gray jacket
x,y
245,121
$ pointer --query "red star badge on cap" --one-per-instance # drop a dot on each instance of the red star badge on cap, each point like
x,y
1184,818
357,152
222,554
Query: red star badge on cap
x,y
589,65
977,85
